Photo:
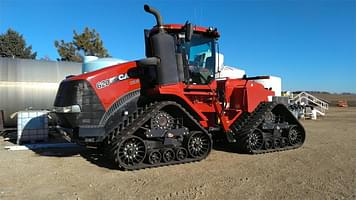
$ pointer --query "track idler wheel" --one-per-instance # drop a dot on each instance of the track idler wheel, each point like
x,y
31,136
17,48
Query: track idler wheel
x,y
199,144
168,155
154,157
255,140
131,152
295,136
181,153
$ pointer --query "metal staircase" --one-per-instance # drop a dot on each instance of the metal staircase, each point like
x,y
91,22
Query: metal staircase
x,y
308,99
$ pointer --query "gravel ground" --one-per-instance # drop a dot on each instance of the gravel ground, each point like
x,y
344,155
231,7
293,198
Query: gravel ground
x,y
324,168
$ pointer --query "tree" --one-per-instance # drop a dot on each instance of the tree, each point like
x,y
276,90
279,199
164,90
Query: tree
x,y
12,44
87,43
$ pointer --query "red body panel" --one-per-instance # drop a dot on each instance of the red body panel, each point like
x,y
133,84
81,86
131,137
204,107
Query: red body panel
x,y
178,27
199,98
240,96
245,94
114,90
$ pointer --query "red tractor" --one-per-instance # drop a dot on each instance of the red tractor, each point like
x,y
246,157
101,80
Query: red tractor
x,y
166,108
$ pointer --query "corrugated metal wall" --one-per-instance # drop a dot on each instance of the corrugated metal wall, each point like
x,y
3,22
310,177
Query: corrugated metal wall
x,y
31,84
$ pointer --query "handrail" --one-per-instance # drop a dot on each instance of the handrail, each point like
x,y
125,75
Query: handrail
x,y
310,98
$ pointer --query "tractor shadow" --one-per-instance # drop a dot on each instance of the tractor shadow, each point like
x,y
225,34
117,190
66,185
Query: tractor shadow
x,y
65,149
227,147
92,154
221,144
98,158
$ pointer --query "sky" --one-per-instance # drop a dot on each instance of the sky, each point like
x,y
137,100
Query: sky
x,y
310,44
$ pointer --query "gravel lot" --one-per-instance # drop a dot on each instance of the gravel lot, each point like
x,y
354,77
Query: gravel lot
x,y
324,168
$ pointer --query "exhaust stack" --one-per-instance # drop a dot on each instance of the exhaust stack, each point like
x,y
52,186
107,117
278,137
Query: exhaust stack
x,y
156,14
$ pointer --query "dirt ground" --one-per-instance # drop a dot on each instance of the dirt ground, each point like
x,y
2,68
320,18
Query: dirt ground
x,y
324,168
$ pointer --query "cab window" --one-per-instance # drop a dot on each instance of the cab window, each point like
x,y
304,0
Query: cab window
x,y
200,55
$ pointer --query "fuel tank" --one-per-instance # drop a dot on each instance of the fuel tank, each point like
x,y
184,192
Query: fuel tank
x,y
31,84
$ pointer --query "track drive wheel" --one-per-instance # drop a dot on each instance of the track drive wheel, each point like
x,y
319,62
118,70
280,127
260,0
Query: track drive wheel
x,y
131,152
163,120
199,144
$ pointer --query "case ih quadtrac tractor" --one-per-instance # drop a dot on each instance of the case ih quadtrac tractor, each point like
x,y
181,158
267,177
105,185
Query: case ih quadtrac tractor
x,y
166,108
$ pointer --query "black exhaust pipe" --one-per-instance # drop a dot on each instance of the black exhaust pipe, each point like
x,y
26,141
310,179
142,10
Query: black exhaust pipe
x,y
156,14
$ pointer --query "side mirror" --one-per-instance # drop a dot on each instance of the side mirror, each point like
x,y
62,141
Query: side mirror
x,y
188,32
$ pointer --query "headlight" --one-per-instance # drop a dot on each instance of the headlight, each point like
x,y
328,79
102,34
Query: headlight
x,y
68,109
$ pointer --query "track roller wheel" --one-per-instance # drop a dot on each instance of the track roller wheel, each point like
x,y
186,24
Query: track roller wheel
x,y
199,144
284,142
181,153
154,157
268,144
295,136
131,152
255,140
167,155
277,143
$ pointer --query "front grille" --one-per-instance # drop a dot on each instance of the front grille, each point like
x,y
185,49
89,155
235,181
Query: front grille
x,y
78,92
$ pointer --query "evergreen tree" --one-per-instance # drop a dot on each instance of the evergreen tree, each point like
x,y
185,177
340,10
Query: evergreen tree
x,y
12,44
88,43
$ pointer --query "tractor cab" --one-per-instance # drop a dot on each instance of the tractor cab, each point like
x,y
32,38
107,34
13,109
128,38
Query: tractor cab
x,y
198,56
195,50
179,53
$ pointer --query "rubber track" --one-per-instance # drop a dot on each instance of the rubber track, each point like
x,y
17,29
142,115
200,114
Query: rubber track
x,y
138,119
252,122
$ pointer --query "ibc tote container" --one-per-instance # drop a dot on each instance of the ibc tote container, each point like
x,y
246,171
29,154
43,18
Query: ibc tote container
x,y
32,126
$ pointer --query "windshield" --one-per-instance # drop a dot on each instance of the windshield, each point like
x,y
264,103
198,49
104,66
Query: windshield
x,y
200,56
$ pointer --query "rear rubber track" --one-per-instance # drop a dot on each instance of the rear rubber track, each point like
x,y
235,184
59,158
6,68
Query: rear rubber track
x,y
251,123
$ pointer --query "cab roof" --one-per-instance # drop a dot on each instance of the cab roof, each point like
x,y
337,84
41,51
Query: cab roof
x,y
179,27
